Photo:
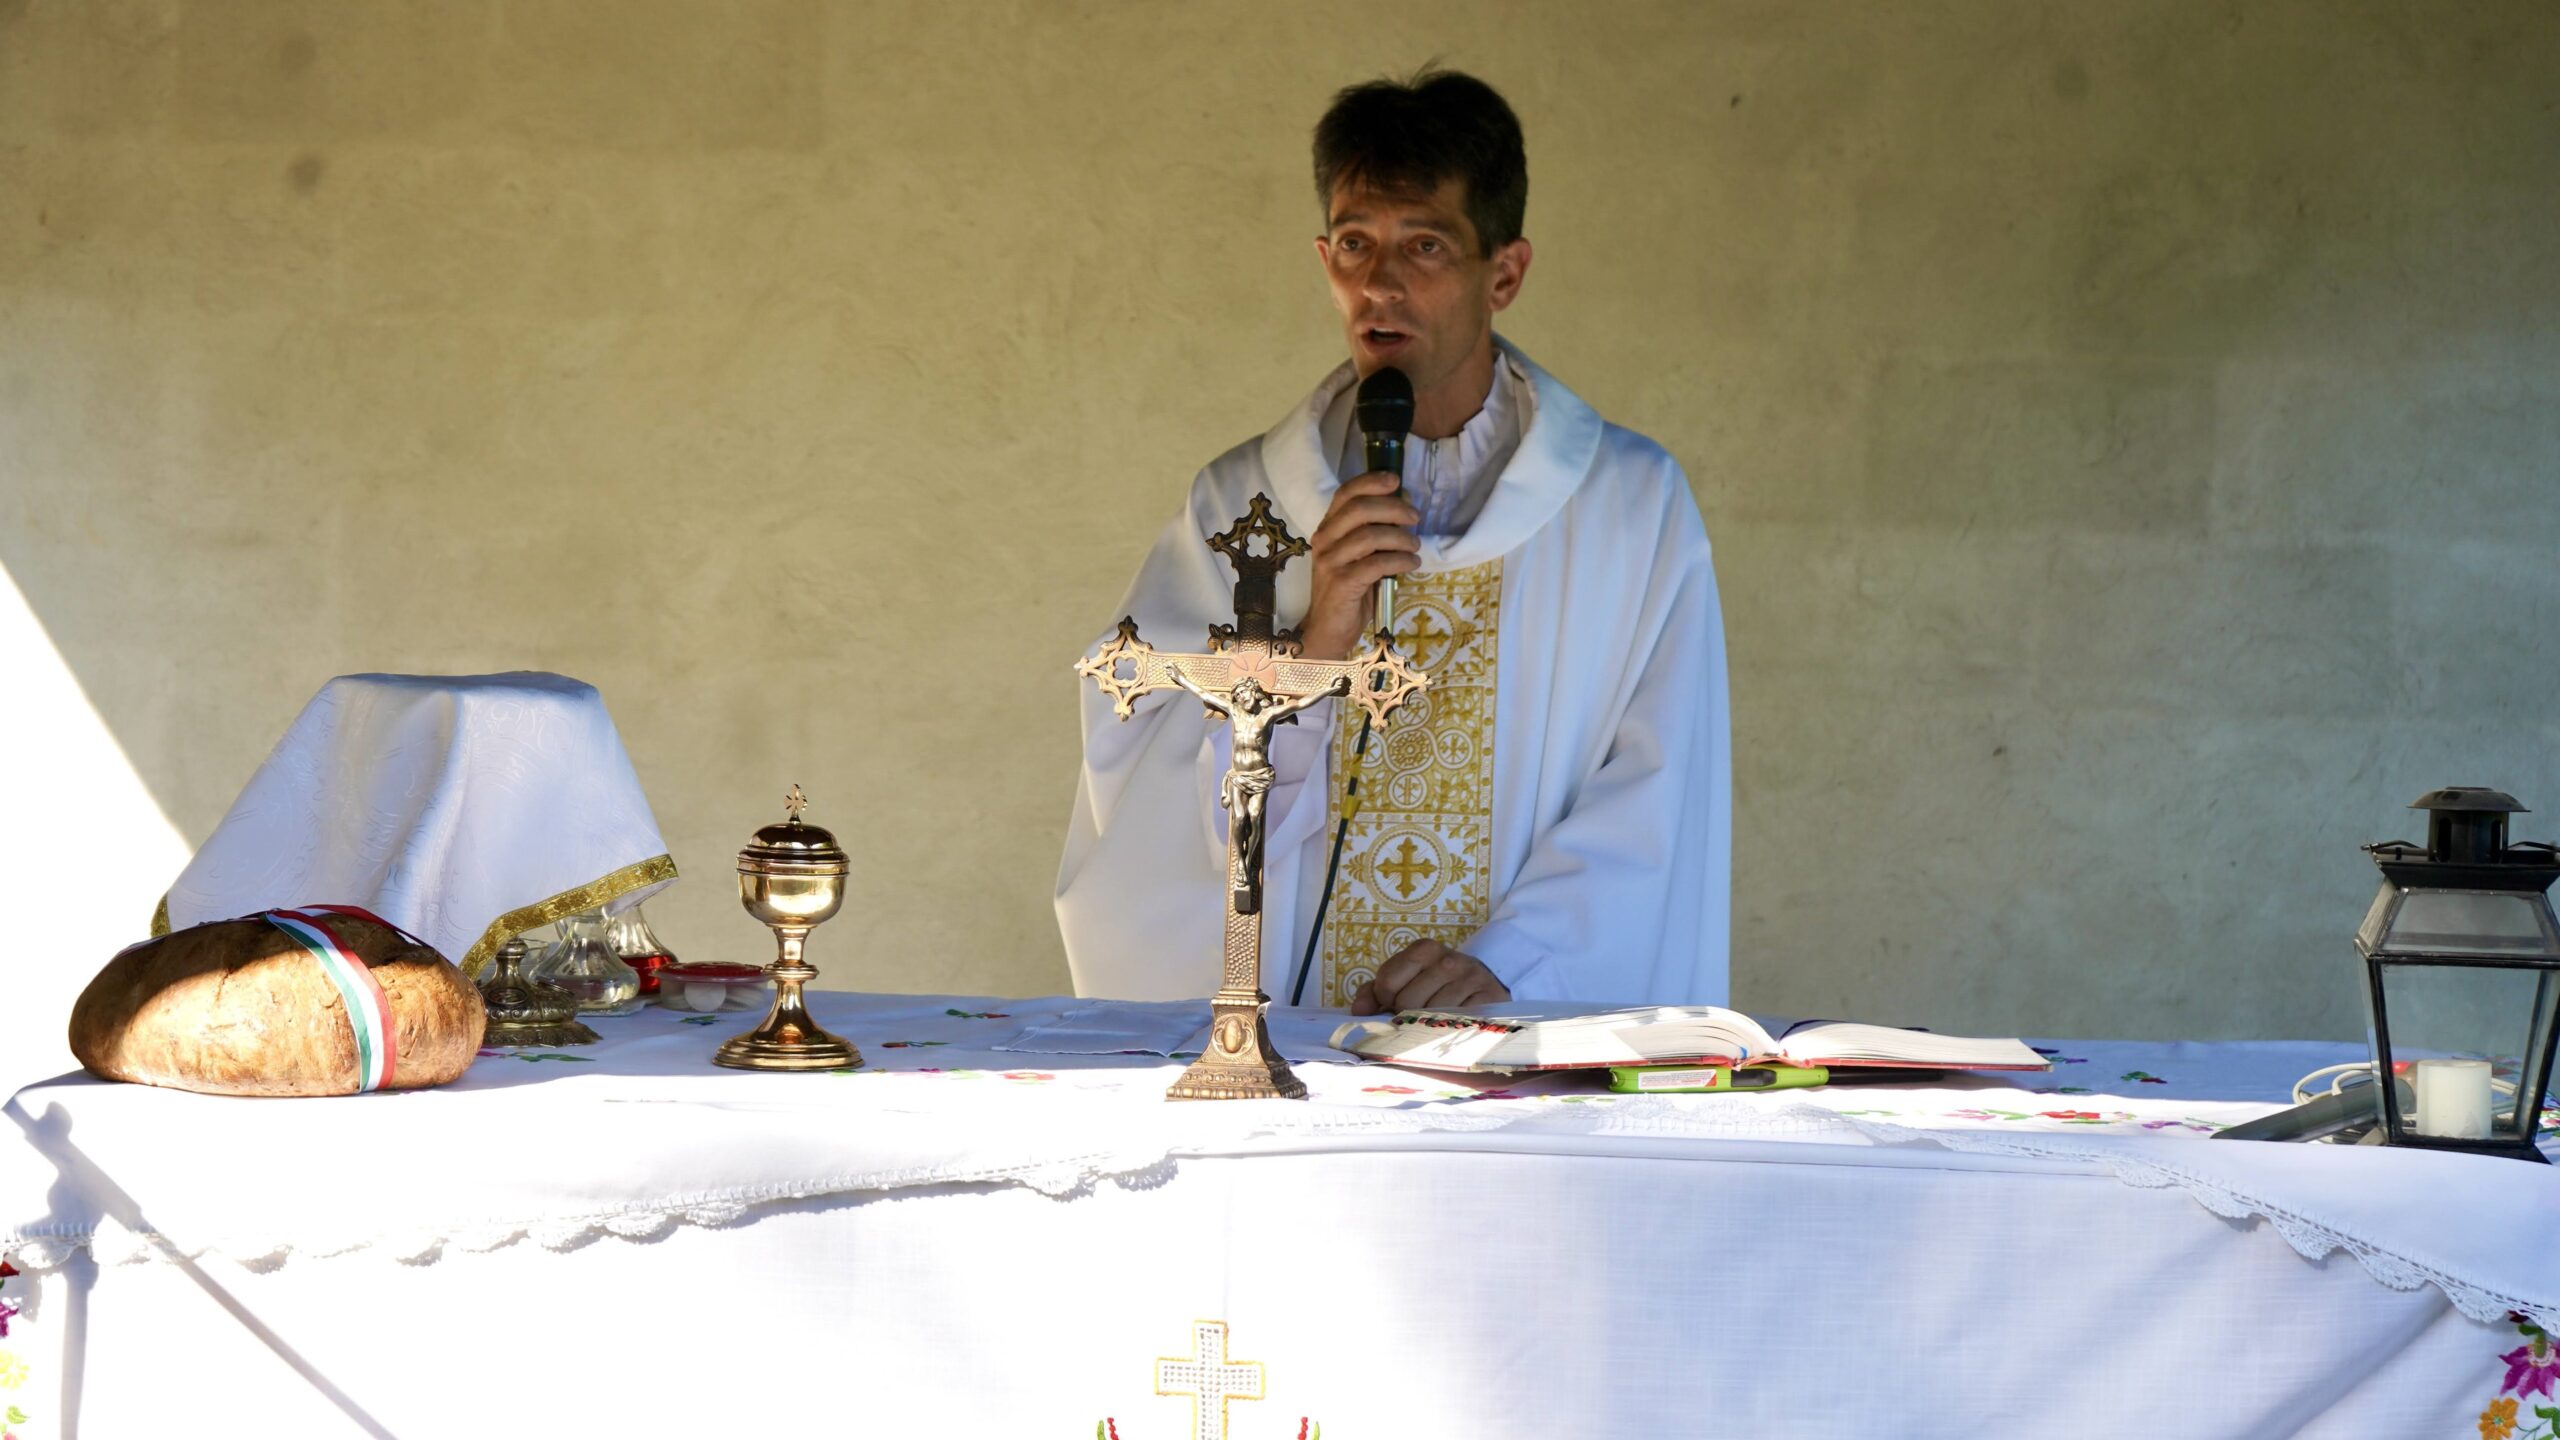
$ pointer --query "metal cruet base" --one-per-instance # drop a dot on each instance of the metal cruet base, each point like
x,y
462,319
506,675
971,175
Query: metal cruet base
x,y
527,1012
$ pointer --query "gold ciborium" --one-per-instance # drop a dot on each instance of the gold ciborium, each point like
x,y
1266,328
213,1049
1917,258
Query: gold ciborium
x,y
791,877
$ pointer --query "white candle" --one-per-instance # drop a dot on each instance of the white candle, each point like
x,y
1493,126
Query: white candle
x,y
2453,1099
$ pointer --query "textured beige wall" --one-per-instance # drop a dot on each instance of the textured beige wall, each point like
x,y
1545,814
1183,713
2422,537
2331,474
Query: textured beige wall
x,y
2128,431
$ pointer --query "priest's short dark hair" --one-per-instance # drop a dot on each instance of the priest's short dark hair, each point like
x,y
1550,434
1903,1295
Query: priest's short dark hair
x,y
1406,136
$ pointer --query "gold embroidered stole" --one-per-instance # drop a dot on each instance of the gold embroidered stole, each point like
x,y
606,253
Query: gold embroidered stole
x,y
1417,860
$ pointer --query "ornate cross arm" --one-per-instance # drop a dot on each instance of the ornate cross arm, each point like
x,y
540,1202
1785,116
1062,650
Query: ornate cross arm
x,y
1384,679
1149,668
1381,677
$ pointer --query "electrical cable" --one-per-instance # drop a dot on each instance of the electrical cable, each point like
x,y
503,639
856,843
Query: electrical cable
x,y
2343,1074
2302,1088
1333,865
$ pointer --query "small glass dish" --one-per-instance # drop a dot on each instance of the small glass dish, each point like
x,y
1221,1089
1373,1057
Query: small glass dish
x,y
709,986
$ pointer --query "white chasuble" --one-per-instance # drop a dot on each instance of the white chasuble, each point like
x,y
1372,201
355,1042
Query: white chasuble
x,y
1417,853
1605,852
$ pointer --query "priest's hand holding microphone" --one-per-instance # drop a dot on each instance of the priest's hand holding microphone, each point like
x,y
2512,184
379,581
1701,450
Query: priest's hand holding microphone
x,y
1365,540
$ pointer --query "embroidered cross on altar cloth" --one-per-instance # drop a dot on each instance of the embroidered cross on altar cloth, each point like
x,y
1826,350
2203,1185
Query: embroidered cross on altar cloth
x,y
1209,1379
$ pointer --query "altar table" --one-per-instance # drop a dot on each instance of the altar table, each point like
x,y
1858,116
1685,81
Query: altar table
x,y
965,1240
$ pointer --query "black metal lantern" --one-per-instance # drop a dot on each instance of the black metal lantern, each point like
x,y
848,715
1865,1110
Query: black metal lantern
x,y
2462,964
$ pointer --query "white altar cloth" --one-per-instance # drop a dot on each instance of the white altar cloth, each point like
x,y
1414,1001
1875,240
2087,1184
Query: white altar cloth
x,y
963,1240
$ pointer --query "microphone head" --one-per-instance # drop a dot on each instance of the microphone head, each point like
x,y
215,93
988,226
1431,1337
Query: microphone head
x,y
1384,405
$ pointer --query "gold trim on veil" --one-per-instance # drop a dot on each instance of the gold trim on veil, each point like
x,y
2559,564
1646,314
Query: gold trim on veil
x,y
595,894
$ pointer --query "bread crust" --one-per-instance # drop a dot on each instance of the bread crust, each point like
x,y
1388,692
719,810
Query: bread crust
x,y
240,1007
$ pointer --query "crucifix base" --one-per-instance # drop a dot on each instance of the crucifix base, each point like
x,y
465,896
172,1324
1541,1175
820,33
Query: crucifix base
x,y
1240,1063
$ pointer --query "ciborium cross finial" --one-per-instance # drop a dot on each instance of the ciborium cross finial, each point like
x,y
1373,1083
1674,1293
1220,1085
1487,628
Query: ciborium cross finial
x,y
1253,679
794,803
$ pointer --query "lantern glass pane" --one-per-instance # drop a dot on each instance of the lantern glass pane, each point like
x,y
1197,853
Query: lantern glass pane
x,y
2462,1036
2376,915
2480,922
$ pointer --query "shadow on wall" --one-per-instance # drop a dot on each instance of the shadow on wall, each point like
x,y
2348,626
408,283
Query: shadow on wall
x,y
84,848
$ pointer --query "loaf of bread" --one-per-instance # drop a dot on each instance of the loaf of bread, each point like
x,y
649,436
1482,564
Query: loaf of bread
x,y
252,1007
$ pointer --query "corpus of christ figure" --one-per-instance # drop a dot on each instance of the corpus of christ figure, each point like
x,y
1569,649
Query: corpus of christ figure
x,y
1251,712
1255,678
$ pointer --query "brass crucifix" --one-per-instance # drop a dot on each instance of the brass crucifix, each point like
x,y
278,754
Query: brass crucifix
x,y
1253,678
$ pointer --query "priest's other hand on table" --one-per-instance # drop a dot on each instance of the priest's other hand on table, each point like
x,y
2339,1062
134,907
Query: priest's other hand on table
x,y
1427,975
1551,819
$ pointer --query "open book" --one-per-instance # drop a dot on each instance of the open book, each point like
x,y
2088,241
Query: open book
x,y
1661,1035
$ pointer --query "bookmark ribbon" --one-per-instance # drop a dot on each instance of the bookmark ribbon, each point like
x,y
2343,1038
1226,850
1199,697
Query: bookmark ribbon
x,y
368,1012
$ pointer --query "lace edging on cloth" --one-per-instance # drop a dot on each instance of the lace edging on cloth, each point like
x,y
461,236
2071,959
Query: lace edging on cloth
x,y
2309,1238
112,1243
1148,1163
1142,1164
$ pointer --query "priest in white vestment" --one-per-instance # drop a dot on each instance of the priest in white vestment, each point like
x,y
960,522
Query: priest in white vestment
x,y
1552,819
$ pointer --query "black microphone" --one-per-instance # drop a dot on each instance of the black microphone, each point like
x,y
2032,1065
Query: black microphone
x,y
1385,409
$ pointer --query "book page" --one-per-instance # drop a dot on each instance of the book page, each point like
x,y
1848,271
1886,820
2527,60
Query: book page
x,y
1842,1042
1527,1037
1451,1043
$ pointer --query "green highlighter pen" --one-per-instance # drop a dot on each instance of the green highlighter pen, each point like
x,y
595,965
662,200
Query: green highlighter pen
x,y
1698,1079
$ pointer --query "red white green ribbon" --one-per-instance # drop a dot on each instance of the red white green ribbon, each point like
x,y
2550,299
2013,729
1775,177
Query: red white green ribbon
x,y
377,1041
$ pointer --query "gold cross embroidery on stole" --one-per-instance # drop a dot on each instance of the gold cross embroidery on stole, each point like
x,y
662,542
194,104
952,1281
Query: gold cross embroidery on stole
x,y
1417,859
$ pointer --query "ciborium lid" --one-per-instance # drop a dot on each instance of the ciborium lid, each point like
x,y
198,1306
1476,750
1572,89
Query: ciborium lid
x,y
794,845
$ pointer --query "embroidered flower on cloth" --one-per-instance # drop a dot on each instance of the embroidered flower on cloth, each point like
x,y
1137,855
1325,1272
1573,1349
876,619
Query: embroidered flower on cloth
x,y
13,1371
2499,1420
2531,1367
7,1310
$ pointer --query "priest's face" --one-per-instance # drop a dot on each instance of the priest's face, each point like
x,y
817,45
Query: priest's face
x,y
1416,289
